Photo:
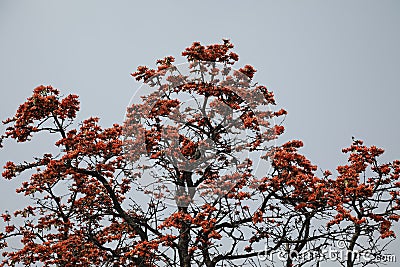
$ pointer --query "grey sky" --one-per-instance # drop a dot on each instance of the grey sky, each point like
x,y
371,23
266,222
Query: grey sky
x,y
334,65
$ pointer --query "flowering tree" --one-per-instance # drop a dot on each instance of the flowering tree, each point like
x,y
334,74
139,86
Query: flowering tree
x,y
192,178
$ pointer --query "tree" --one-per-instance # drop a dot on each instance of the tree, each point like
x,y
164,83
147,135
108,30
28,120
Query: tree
x,y
180,182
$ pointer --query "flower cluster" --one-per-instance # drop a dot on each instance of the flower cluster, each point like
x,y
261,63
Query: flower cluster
x,y
45,103
215,52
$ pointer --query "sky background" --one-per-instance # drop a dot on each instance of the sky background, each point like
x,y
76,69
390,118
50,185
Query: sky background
x,y
333,65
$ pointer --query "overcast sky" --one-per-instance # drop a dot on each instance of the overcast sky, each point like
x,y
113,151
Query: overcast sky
x,y
333,65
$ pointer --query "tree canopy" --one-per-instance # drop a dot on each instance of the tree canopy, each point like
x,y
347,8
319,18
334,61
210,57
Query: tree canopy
x,y
193,177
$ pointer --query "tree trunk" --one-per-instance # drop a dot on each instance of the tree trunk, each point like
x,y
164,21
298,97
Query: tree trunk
x,y
184,232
